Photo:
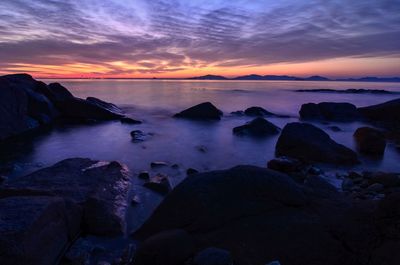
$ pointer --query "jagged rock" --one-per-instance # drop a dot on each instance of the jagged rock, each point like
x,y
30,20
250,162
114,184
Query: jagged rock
x,y
203,111
309,143
99,188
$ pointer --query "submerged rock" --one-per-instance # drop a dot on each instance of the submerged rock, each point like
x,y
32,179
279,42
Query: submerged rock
x,y
309,143
158,164
203,111
98,188
138,136
258,127
330,111
370,141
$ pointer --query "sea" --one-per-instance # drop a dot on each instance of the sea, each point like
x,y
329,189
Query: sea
x,y
203,146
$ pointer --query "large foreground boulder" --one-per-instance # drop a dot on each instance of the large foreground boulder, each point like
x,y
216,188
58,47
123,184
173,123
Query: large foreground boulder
x,y
329,111
99,188
260,215
384,112
35,229
203,111
370,141
311,144
259,127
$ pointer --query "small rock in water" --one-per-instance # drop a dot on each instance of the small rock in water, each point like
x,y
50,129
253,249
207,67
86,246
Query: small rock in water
x,y
159,184
201,148
144,175
175,166
128,120
137,136
191,171
158,164
213,256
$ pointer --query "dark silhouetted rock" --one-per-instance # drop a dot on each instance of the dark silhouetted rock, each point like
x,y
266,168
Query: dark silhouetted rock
x,y
370,141
203,111
159,183
158,164
257,111
77,109
191,171
106,105
23,106
309,143
128,120
144,175
170,247
213,256
57,92
248,210
258,127
36,229
385,112
99,188
238,112
329,111
138,136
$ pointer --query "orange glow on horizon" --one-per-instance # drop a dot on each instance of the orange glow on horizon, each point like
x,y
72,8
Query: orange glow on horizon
x,y
341,67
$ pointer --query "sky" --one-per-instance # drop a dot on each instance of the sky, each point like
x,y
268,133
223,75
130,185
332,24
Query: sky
x,y
182,38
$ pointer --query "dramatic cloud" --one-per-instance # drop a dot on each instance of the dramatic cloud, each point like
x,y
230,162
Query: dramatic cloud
x,y
133,37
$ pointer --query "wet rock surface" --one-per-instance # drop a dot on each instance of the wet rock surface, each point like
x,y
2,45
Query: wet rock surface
x,y
203,111
308,143
159,183
99,189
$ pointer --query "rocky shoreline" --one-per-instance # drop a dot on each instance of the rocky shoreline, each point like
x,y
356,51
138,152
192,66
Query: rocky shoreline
x,y
285,213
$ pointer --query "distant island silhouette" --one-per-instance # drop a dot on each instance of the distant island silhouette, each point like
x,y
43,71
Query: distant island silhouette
x,y
294,78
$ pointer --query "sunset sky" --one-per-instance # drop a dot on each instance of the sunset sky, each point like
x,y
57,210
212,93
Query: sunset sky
x,y
181,38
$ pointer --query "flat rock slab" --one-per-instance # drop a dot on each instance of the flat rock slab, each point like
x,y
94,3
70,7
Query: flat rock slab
x,y
100,188
35,229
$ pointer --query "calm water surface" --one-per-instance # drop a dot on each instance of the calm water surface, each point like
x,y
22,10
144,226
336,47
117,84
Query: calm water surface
x,y
178,141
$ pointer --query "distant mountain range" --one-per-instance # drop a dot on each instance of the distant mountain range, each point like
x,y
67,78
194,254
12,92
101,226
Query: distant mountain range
x,y
294,78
